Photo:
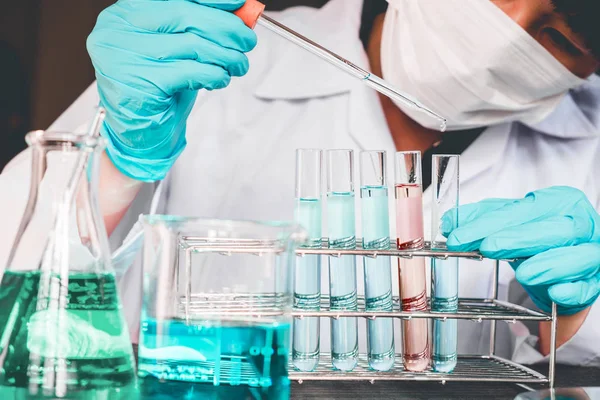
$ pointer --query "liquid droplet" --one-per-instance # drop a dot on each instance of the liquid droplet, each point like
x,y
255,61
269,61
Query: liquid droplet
x,y
443,126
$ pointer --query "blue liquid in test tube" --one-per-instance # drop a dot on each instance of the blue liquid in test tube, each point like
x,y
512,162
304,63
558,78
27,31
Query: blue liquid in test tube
x,y
307,291
377,271
342,270
444,299
444,287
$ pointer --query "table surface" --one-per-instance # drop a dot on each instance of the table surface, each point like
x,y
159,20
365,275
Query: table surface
x,y
566,376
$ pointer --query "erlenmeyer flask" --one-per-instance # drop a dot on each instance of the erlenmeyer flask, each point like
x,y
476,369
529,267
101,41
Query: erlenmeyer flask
x,y
62,331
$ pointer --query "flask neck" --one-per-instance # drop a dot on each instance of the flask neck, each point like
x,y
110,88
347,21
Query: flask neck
x,y
62,229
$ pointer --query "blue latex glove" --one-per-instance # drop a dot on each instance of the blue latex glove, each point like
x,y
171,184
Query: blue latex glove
x,y
554,232
151,57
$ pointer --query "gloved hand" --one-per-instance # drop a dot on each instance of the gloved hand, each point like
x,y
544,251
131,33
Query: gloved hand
x,y
555,234
151,57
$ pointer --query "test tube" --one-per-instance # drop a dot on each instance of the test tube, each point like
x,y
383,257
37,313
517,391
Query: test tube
x,y
342,270
409,200
307,291
444,285
413,290
377,271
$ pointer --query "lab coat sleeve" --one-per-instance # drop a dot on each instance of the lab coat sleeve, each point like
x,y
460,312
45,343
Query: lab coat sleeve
x,y
582,349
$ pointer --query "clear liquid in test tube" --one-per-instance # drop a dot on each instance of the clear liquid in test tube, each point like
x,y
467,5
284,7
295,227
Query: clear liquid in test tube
x,y
307,290
444,273
413,289
377,271
342,270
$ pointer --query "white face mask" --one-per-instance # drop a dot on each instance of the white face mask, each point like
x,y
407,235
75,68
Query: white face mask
x,y
469,62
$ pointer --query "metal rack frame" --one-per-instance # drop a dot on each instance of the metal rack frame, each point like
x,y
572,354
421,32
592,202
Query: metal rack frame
x,y
470,368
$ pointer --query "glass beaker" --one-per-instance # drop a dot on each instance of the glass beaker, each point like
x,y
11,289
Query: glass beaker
x,y
62,331
216,309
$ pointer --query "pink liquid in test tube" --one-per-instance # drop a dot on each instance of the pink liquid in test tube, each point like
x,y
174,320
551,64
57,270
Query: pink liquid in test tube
x,y
415,335
409,218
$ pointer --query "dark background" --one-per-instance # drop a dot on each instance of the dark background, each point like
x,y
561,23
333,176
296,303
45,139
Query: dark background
x,y
44,65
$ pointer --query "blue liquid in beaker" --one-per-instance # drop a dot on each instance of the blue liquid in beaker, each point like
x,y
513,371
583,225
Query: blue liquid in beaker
x,y
208,360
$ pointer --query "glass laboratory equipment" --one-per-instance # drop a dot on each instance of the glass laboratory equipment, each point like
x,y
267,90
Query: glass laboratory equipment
x,y
377,271
62,331
216,311
413,289
444,273
307,291
342,270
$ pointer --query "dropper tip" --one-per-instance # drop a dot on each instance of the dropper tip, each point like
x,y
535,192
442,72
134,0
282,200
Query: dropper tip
x,y
443,125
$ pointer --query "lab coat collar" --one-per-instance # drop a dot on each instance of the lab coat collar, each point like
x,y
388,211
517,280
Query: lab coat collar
x,y
297,74
578,114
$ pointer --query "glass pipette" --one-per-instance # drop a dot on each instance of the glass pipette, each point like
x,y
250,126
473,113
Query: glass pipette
x,y
251,13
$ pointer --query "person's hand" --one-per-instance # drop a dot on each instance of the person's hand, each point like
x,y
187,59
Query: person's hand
x,y
151,57
555,235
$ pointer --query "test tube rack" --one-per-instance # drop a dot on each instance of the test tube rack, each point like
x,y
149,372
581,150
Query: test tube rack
x,y
470,368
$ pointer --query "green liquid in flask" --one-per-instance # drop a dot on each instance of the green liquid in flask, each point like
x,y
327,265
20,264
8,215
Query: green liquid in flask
x,y
60,342
214,360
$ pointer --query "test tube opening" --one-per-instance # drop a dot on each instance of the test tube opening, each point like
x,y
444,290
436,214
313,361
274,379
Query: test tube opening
x,y
373,169
408,168
340,171
445,191
308,173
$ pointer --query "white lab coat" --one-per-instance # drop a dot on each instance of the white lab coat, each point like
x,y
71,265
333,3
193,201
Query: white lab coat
x,y
239,161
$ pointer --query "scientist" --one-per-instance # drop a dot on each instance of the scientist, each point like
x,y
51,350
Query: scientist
x,y
515,78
